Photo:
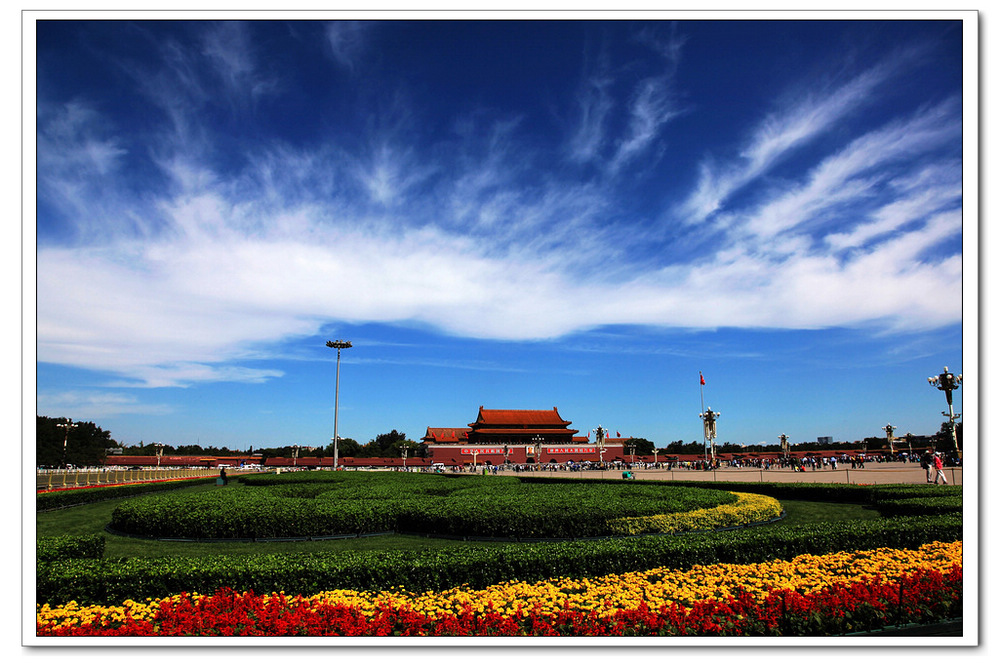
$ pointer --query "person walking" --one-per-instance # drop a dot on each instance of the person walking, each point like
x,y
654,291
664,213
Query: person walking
x,y
939,468
927,462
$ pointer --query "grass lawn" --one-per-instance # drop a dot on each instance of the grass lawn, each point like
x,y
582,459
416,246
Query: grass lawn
x,y
92,518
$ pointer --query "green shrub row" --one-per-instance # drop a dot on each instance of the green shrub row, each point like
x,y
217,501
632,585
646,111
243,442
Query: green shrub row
x,y
59,548
115,580
920,506
359,503
57,499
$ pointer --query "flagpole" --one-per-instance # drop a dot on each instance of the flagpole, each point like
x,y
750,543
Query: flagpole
x,y
701,385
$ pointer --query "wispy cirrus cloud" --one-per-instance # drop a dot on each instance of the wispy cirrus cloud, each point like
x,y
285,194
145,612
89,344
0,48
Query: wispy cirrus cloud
x,y
478,232
347,41
775,137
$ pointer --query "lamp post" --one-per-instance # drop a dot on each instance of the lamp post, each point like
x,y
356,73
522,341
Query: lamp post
x,y
909,443
785,452
159,452
65,426
889,429
709,417
538,452
338,345
295,455
948,382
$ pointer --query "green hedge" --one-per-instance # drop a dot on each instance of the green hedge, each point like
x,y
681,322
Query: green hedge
x,y
325,504
114,580
57,499
920,506
60,548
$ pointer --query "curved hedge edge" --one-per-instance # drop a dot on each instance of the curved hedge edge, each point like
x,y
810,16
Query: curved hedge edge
x,y
320,537
747,504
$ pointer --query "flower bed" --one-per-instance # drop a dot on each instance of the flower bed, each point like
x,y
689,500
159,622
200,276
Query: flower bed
x,y
837,593
748,508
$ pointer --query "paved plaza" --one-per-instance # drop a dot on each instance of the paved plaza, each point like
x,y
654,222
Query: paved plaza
x,y
872,474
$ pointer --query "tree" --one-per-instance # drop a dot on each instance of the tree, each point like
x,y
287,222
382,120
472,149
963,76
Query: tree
x,y
83,445
346,448
643,447
386,445
943,440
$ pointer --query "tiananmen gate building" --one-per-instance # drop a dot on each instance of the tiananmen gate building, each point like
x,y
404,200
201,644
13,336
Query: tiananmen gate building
x,y
514,435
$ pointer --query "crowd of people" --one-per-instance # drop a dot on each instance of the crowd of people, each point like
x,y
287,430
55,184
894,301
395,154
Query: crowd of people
x,y
804,464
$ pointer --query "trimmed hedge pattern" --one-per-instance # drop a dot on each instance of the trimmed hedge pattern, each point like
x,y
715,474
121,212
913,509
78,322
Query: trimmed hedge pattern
x,y
115,580
60,548
326,504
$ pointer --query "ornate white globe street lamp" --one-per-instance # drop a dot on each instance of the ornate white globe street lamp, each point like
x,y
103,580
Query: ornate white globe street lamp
x,y
709,417
948,382
889,429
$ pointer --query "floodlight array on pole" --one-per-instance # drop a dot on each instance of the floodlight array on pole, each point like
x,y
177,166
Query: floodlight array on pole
x,y
948,382
338,345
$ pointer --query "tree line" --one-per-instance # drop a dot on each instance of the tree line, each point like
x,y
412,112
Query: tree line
x,y
62,442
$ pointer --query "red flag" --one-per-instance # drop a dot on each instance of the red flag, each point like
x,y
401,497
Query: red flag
x,y
702,378
618,433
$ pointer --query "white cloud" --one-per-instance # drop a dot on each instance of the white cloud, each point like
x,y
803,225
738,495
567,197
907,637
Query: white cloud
x,y
347,41
92,405
774,139
475,238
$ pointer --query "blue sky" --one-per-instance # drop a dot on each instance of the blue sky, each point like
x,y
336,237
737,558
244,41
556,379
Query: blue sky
x,y
515,214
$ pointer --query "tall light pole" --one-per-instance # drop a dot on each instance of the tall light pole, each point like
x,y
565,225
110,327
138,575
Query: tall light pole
x,y
159,452
948,382
66,426
295,455
785,451
538,452
338,345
